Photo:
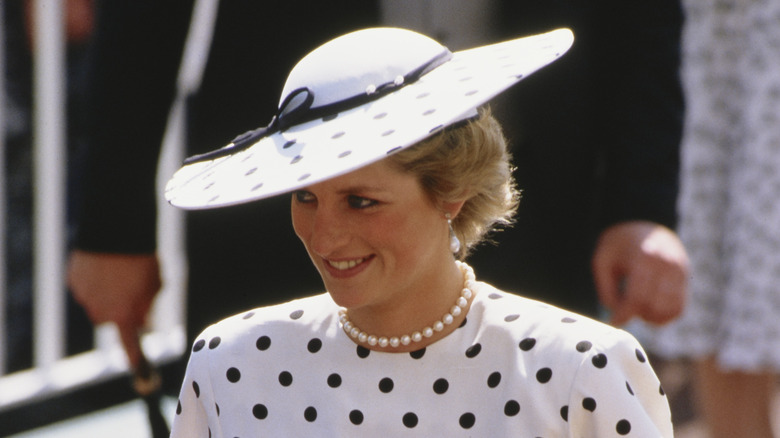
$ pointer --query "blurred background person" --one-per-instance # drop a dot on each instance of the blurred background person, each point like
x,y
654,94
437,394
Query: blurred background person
x,y
730,216
114,270
596,145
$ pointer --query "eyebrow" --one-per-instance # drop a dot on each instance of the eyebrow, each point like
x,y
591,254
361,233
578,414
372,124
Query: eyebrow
x,y
362,189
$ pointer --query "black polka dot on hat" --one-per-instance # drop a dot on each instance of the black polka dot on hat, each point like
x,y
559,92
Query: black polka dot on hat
x,y
640,356
178,408
510,318
630,390
467,420
296,314
199,344
599,360
544,375
440,386
410,420
589,404
214,342
249,315
233,375
568,320
623,427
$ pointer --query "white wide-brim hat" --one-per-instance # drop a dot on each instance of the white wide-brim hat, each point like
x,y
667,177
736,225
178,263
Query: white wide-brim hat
x,y
353,101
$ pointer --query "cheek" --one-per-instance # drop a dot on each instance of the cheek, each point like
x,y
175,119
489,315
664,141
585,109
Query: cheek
x,y
406,234
300,222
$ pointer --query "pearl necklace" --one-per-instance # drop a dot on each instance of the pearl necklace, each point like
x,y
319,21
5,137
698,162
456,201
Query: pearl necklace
x,y
460,304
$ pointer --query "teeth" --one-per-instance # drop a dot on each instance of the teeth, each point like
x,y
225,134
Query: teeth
x,y
345,264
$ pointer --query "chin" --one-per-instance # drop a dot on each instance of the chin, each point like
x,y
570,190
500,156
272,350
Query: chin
x,y
347,296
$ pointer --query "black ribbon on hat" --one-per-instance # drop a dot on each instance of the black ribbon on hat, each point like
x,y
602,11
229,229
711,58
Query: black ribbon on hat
x,y
296,109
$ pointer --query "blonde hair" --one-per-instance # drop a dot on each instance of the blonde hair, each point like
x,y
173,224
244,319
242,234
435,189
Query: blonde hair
x,y
468,162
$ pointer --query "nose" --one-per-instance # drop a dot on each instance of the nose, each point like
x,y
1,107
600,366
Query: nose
x,y
329,231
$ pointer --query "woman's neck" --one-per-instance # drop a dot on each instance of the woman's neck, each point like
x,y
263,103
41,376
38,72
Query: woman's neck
x,y
414,314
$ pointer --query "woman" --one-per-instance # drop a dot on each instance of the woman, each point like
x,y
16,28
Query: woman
x,y
395,177
730,218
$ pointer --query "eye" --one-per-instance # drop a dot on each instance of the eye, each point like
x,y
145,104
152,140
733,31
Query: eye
x,y
304,197
359,202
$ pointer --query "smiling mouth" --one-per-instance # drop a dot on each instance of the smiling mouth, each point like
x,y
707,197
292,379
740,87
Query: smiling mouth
x,y
343,265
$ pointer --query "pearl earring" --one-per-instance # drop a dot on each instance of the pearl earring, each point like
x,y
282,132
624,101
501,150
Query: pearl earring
x,y
454,241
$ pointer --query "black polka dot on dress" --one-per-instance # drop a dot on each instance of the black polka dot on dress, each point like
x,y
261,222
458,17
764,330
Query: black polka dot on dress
x,y
544,375
233,375
623,427
263,343
599,360
440,386
527,344
410,420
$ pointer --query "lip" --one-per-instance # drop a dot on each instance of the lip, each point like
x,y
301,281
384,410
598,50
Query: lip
x,y
347,269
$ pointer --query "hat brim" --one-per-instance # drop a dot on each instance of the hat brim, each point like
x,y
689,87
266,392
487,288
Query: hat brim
x,y
325,148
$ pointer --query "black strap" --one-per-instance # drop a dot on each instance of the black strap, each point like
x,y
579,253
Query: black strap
x,y
296,109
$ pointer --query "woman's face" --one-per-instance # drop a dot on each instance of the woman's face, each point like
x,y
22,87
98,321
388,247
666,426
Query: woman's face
x,y
373,234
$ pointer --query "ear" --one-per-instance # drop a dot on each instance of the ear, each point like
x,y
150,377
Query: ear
x,y
453,208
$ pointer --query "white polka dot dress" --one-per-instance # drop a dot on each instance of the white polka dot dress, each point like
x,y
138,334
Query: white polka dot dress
x,y
730,193
515,367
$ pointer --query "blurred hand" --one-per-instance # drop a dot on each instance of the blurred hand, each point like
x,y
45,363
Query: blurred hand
x,y
116,288
641,270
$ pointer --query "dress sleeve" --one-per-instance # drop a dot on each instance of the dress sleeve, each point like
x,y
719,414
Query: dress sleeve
x,y
196,410
616,393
